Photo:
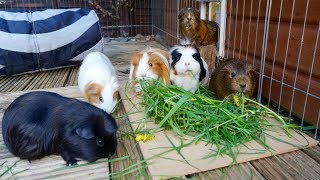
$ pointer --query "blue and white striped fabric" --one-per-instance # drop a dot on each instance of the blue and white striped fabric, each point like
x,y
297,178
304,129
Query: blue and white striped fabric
x,y
36,40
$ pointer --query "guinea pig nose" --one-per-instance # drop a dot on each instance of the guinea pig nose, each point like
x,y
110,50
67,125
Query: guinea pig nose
x,y
242,86
143,75
187,63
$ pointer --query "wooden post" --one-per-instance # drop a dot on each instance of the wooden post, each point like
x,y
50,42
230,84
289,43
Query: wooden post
x,y
209,53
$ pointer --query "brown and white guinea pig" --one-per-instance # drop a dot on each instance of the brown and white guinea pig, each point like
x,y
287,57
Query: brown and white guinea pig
x,y
188,69
98,81
40,123
231,76
152,63
202,32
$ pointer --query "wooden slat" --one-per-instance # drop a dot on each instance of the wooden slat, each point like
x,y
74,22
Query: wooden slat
x,y
126,146
34,81
294,165
314,153
23,83
10,83
242,171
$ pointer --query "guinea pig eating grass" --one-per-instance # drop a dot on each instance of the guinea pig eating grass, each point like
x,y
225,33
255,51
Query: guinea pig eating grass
x,y
149,64
188,69
98,81
38,124
233,76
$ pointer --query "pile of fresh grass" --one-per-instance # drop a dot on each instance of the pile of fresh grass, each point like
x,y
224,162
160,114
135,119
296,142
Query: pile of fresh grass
x,y
227,124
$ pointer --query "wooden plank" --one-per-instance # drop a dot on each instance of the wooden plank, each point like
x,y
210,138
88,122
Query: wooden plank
x,y
126,146
24,82
11,83
294,165
314,153
177,167
51,166
34,81
73,80
241,171
6,83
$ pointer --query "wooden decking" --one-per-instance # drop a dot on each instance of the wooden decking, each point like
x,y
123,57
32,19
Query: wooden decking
x,y
302,164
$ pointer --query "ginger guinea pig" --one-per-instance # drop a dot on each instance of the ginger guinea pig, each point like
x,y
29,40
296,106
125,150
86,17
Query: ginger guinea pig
x,y
188,69
39,124
202,32
233,76
98,81
149,64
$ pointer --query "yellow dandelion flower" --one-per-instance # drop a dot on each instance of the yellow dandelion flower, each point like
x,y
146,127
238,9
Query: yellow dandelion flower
x,y
144,137
236,100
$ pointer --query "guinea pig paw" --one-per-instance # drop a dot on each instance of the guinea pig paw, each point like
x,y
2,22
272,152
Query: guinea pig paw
x,y
72,162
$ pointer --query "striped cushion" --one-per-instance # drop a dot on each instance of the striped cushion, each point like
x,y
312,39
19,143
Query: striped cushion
x,y
37,40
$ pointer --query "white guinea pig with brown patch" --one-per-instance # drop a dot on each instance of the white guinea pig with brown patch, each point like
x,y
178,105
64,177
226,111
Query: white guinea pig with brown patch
x,y
188,69
98,81
152,63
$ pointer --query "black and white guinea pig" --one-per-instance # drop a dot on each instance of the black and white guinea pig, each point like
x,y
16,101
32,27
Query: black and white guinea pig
x,y
188,69
41,123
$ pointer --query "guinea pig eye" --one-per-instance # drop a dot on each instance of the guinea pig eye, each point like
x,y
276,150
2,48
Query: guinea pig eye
x,y
150,64
100,99
232,74
100,143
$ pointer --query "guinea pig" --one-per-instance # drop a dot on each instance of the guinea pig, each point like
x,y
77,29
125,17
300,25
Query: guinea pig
x,y
202,32
233,76
152,63
41,123
98,81
188,69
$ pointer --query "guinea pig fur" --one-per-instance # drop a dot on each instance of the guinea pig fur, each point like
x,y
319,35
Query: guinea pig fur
x,y
202,32
152,63
233,76
98,81
41,123
188,69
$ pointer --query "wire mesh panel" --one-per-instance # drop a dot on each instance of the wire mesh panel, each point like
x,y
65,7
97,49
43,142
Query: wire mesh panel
x,y
165,16
119,18
281,39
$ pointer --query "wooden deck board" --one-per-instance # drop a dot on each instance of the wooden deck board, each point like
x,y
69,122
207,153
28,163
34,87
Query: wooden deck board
x,y
242,171
314,153
287,166
126,146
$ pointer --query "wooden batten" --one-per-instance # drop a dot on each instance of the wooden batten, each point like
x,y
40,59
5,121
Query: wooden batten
x,y
209,53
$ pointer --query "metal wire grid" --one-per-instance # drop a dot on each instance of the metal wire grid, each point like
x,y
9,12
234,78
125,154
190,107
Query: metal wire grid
x,y
133,20
263,75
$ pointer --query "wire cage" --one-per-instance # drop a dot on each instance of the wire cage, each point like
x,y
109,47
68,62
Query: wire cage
x,y
280,38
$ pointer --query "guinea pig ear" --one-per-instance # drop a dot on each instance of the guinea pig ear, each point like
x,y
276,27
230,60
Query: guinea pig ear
x,y
93,88
181,13
196,13
85,132
175,55
165,74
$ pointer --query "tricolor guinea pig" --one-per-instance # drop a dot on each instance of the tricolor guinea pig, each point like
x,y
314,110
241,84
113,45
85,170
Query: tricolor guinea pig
x,y
188,69
39,124
149,64
98,81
